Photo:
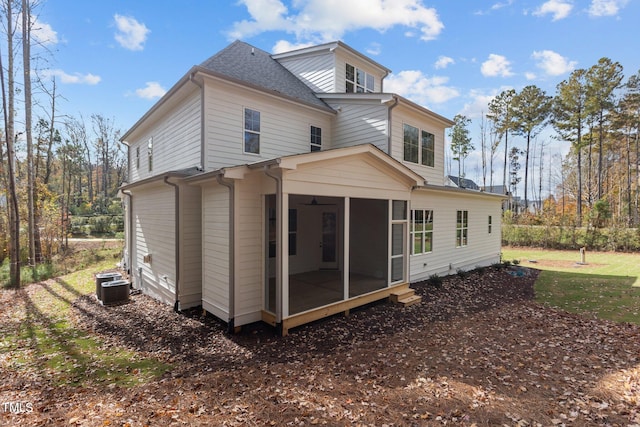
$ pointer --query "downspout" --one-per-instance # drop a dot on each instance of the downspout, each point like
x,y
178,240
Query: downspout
x,y
201,86
176,305
232,277
395,103
130,236
279,253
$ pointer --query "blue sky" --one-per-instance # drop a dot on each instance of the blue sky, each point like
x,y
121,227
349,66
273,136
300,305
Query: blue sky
x,y
117,58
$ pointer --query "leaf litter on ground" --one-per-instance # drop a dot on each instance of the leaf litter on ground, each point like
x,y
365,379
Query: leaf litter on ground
x,y
477,351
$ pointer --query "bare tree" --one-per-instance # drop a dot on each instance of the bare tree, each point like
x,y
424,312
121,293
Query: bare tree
x,y
8,104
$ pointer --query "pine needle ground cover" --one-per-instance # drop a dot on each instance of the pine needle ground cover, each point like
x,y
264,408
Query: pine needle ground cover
x,y
607,285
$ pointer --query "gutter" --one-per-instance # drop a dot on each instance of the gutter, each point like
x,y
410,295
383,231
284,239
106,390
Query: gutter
x,y
395,103
176,305
279,253
201,86
232,279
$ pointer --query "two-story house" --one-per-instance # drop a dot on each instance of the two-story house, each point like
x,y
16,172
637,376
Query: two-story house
x,y
289,187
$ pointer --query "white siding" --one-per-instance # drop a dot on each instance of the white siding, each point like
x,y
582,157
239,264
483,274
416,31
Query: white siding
x,y
190,247
482,249
364,123
351,176
434,175
249,251
154,235
316,71
176,141
215,250
285,127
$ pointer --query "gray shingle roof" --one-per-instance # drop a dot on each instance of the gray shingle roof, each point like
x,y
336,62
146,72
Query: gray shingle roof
x,y
464,183
241,61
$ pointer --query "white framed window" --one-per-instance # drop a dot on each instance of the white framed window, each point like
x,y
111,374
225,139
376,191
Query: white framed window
x,y
419,146
251,131
316,138
428,149
358,81
462,228
138,157
490,224
150,153
421,231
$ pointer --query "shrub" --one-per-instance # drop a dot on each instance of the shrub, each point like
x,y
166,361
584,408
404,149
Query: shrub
x,y
435,281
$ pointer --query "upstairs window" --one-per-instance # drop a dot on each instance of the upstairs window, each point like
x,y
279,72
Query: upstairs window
x,y
411,144
251,131
358,81
462,228
419,146
150,153
490,224
138,157
428,149
316,139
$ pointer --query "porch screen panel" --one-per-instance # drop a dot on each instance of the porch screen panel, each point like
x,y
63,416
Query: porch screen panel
x,y
397,252
398,240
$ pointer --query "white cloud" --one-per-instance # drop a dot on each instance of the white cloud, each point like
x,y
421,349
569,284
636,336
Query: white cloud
x,y
560,9
553,63
130,33
326,20
479,102
496,65
530,76
152,90
76,78
443,62
285,46
374,49
43,33
414,85
606,7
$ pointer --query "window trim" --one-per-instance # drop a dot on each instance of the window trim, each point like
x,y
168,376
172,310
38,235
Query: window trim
x,y
251,129
315,138
420,147
358,74
462,228
150,153
425,149
427,218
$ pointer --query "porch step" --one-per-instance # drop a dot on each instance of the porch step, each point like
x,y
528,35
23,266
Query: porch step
x,y
413,299
405,297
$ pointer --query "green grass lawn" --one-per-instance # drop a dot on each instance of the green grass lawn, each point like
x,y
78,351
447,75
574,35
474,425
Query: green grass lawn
x,y
607,285
39,337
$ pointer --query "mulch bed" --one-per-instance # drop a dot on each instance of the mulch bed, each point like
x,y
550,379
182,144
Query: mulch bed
x,y
476,351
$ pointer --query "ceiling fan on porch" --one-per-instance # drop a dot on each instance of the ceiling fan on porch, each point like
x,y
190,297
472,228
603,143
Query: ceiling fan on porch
x,y
314,202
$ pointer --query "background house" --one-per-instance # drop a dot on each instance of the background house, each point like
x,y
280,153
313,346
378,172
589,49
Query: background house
x,y
288,187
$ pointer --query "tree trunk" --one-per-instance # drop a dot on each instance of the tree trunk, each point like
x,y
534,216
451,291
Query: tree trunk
x,y
26,61
526,174
9,114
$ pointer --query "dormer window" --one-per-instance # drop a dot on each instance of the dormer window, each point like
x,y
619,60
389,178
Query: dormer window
x,y
358,81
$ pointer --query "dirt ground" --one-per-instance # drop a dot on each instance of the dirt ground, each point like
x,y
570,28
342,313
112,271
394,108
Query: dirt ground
x,y
476,351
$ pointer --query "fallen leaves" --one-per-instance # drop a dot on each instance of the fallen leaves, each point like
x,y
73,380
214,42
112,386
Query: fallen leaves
x,y
477,351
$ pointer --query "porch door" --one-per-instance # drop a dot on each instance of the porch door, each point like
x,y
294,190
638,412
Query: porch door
x,y
329,242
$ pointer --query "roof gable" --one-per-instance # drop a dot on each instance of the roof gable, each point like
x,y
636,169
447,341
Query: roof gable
x,y
243,62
